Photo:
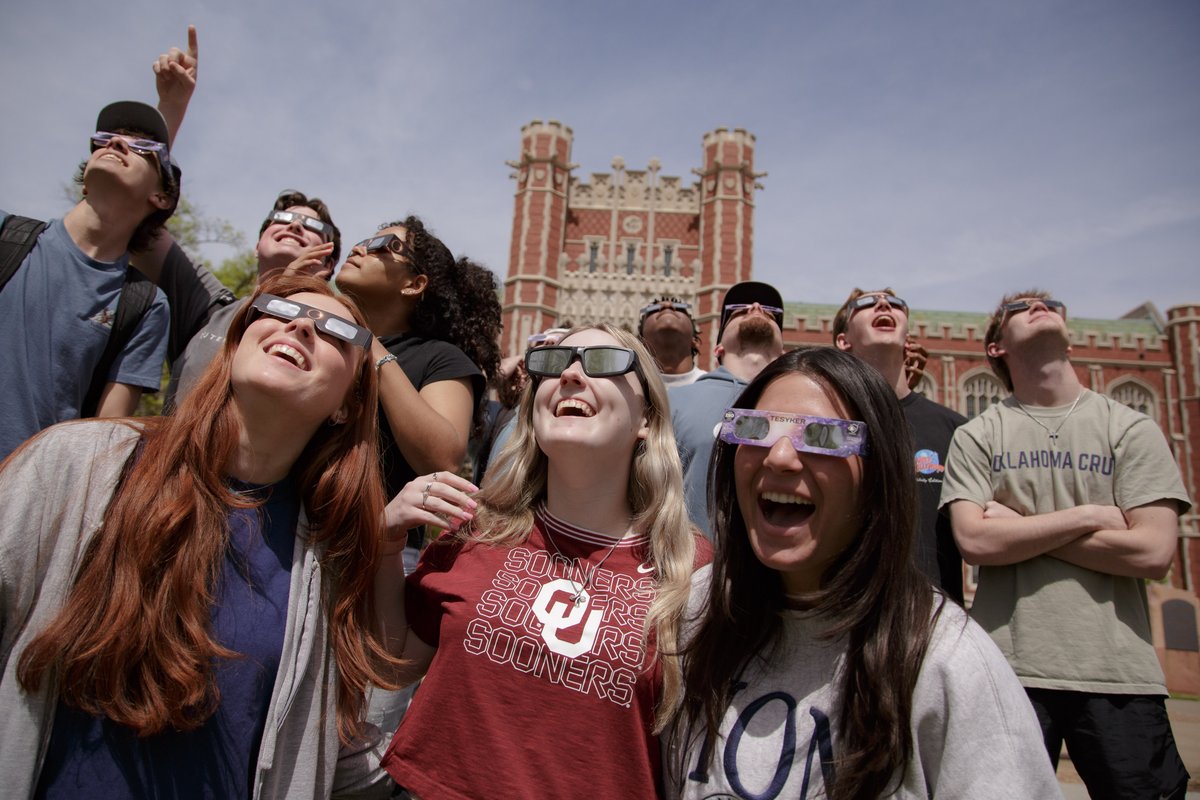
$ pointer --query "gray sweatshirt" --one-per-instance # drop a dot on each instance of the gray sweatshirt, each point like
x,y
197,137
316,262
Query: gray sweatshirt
x,y
53,495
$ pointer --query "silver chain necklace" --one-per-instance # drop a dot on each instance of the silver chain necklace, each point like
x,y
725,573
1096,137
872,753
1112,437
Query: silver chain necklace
x,y
1052,433
585,577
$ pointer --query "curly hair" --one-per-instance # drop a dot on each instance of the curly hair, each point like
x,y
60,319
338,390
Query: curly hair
x,y
461,301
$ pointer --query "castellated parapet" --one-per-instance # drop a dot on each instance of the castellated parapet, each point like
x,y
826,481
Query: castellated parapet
x,y
601,249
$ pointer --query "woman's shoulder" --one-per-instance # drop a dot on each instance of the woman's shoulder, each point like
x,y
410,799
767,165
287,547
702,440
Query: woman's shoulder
x,y
433,359
960,650
77,441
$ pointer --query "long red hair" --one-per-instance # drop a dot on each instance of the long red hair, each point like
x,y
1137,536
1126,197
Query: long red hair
x,y
132,641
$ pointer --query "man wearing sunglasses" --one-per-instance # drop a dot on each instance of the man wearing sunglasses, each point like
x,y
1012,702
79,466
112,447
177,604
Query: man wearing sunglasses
x,y
670,334
874,327
750,336
63,286
1068,501
297,233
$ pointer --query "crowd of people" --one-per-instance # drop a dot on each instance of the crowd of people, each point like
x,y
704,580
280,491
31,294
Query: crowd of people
x,y
657,582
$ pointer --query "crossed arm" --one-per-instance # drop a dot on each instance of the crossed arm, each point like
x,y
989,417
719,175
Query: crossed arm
x,y
1139,543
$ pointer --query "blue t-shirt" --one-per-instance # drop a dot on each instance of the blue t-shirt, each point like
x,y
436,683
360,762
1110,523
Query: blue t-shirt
x,y
93,757
56,314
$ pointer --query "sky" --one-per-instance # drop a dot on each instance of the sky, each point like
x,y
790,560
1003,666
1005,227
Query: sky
x,y
954,150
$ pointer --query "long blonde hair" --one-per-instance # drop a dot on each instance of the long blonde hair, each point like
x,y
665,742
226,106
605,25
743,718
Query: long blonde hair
x,y
517,484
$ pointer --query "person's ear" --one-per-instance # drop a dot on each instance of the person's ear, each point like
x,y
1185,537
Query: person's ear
x,y
416,286
994,350
339,417
841,342
160,200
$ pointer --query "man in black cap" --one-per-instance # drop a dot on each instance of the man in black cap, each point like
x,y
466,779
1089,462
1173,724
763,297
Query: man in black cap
x,y
750,337
60,299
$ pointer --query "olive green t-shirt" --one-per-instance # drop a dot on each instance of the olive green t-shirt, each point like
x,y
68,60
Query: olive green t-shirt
x,y
1062,626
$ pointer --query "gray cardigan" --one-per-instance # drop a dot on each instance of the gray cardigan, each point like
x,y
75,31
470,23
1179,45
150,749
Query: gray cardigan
x,y
53,495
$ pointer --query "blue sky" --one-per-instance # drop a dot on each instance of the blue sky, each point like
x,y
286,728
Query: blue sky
x,y
955,150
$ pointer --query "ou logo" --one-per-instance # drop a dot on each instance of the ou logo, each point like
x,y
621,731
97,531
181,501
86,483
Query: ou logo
x,y
567,629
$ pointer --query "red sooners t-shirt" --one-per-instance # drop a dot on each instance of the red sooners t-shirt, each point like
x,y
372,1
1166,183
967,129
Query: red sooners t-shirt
x,y
532,694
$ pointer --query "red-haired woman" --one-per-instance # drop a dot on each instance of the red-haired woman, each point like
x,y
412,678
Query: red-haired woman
x,y
186,603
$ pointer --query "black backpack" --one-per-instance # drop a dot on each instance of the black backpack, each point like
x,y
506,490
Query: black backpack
x,y
17,237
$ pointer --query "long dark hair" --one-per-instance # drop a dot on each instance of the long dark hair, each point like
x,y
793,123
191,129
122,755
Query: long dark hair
x,y
871,593
133,640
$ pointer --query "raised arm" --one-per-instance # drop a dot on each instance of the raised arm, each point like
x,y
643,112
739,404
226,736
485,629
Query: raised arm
x,y
430,426
995,535
175,78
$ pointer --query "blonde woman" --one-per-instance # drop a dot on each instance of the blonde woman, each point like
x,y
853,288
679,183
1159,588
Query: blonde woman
x,y
543,626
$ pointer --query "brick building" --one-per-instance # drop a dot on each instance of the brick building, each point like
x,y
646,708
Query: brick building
x,y
597,251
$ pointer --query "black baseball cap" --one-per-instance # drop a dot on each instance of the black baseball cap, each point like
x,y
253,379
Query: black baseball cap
x,y
146,119
748,293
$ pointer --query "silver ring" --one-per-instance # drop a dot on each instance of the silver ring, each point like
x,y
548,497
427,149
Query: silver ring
x,y
435,477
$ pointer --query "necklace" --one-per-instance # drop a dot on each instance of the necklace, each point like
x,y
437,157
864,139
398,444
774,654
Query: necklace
x,y
1052,433
585,577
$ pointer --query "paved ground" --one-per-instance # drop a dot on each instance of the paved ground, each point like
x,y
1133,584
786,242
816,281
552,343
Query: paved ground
x,y
1185,724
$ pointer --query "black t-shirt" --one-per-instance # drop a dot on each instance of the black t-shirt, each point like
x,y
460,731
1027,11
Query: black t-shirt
x,y
936,553
424,361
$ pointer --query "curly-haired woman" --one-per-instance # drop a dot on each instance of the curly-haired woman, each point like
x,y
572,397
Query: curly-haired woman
x,y
436,322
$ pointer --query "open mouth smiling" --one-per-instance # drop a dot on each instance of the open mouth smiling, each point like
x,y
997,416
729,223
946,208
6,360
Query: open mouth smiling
x,y
784,510
288,353
572,407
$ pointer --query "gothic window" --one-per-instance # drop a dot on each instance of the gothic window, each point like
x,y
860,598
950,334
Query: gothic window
x,y
927,387
979,392
1135,396
668,253
630,253
593,255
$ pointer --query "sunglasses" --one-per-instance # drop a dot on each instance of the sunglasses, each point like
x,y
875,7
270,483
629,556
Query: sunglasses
x,y
322,229
872,300
1025,305
388,241
337,327
664,305
143,147
821,435
598,361
733,309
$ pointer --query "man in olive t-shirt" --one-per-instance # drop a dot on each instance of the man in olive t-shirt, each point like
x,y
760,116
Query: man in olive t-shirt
x,y
1068,500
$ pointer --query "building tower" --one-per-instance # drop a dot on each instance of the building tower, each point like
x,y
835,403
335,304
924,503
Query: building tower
x,y
1182,425
539,220
591,251
727,185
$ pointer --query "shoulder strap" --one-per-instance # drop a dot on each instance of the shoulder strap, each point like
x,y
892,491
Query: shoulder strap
x,y
137,294
17,237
